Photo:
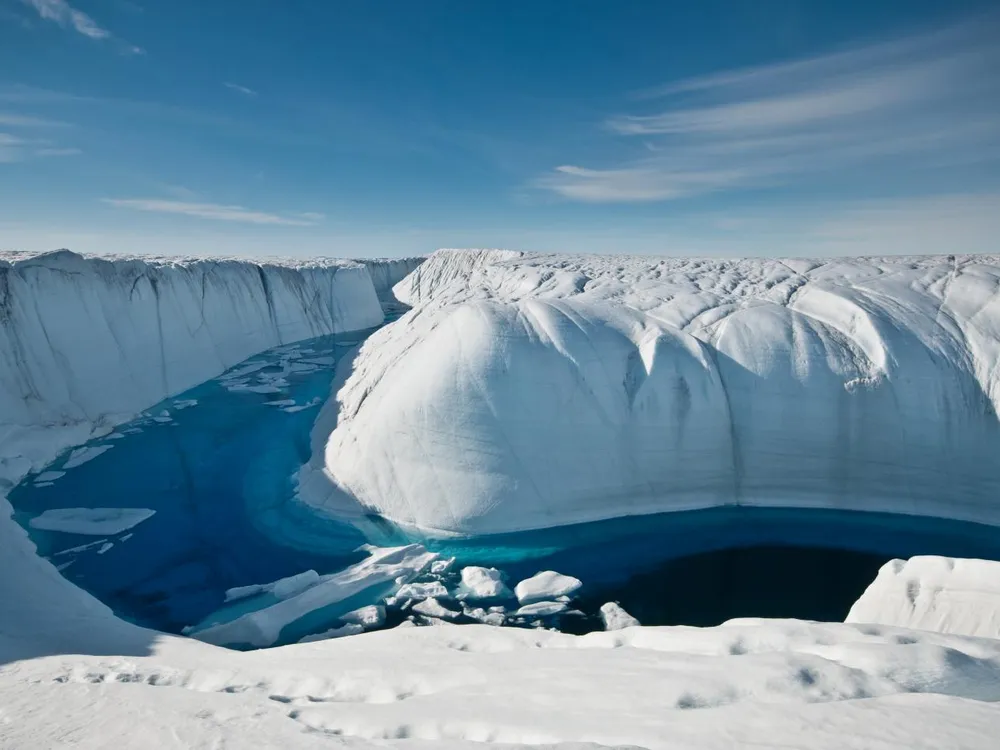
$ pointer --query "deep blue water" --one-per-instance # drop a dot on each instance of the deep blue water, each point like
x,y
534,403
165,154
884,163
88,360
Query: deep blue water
x,y
216,464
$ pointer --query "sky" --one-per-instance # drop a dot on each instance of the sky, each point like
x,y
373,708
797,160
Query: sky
x,y
378,128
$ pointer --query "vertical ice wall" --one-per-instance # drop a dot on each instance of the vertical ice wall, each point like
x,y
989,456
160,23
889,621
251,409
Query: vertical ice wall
x,y
85,342
387,272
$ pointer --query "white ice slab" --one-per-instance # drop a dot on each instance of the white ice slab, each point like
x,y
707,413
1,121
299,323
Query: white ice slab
x,y
90,521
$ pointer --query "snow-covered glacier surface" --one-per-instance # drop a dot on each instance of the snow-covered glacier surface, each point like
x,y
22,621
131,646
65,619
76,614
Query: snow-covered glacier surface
x,y
530,391
70,671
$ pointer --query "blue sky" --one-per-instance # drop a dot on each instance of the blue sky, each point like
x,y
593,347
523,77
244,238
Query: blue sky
x,y
300,127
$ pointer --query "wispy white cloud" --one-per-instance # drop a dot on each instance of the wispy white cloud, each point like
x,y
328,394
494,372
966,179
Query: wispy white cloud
x,y
27,143
240,89
920,101
21,121
215,211
62,13
58,151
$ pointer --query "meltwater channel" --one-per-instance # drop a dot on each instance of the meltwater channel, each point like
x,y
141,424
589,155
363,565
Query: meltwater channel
x,y
216,465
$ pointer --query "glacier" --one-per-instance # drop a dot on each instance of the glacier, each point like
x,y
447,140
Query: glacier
x,y
530,391
86,343
70,669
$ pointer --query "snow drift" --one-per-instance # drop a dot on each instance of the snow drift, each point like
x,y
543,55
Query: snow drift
x,y
529,391
934,593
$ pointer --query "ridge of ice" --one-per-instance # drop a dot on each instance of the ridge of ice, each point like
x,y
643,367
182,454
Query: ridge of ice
x,y
528,391
942,594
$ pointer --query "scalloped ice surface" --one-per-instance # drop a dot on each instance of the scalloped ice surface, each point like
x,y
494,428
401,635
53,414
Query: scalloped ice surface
x,y
532,391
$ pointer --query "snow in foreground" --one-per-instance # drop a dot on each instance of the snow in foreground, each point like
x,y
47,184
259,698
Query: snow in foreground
x,y
747,683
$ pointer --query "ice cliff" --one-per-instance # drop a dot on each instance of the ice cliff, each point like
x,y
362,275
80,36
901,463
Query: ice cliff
x,y
387,272
528,391
87,342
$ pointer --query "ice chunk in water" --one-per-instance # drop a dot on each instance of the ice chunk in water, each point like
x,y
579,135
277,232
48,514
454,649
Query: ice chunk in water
x,y
90,521
378,575
482,583
541,609
545,585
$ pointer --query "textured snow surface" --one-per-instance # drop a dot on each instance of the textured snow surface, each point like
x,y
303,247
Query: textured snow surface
x,y
934,593
744,684
528,391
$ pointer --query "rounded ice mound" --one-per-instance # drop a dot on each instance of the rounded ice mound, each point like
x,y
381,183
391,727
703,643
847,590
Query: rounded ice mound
x,y
507,417
523,403
545,585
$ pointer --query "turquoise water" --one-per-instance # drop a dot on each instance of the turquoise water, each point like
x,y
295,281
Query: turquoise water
x,y
219,475
217,463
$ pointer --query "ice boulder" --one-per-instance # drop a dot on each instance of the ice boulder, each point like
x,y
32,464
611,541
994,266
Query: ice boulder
x,y
545,585
481,583
956,596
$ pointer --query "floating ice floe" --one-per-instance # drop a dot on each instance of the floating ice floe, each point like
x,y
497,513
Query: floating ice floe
x,y
90,521
368,617
185,403
545,585
493,616
82,455
482,583
420,591
281,402
374,578
280,589
434,609
541,609
82,547
302,407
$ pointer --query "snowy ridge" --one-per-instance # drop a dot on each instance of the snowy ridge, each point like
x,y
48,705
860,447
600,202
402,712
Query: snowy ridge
x,y
934,593
525,391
